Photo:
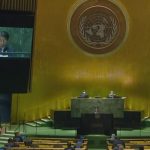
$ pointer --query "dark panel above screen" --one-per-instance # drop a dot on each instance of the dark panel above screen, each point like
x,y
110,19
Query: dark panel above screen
x,y
15,75
16,19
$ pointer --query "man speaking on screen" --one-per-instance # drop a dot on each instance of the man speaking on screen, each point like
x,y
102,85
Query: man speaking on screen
x,y
5,50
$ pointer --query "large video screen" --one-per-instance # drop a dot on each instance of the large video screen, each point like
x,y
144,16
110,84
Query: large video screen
x,y
16,46
16,42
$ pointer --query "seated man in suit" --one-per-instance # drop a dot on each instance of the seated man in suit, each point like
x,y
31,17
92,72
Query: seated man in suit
x,y
11,143
17,137
69,146
84,94
117,143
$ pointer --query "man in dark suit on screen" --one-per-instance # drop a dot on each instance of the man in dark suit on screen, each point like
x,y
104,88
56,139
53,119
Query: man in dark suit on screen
x,y
5,50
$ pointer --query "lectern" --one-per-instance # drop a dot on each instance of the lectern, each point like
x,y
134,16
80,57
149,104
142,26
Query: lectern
x,y
96,124
97,114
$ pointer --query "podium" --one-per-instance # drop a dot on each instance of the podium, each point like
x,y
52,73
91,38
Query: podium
x,y
96,124
97,114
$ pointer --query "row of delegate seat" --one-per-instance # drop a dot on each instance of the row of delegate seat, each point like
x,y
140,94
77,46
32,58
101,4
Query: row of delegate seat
x,y
49,144
132,143
43,148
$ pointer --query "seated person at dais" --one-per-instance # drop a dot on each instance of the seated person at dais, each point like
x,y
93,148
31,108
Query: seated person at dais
x,y
84,94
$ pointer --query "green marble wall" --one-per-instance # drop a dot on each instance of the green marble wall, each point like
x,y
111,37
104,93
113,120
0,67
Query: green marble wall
x,y
101,105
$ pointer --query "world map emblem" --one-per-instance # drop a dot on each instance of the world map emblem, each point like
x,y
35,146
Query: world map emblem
x,y
98,26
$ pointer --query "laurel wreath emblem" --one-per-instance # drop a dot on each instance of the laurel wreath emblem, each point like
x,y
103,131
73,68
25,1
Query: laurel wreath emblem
x,y
87,34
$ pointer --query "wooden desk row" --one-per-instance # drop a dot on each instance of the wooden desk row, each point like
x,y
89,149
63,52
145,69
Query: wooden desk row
x,y
133,143
48,144
30,148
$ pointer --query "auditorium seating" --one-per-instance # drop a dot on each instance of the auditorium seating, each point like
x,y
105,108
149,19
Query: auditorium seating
x,y
43,148
49,144
132,143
